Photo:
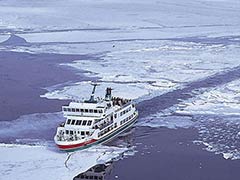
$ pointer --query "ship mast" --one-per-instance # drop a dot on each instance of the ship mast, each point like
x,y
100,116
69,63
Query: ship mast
x,y
91,99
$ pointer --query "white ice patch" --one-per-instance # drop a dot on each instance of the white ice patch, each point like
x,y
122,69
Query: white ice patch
x,y
82,90
227,155
35,162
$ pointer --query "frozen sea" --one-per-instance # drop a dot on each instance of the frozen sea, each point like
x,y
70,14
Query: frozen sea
x,y
177,59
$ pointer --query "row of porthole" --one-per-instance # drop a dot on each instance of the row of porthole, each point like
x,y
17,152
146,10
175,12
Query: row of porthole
x,y
125,111
79,122
77,132
83,110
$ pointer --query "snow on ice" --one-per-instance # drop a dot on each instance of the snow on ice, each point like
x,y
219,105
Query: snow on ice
x,y
40,162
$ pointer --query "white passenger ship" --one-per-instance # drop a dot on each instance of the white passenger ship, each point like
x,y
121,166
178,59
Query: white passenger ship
x,y
94,121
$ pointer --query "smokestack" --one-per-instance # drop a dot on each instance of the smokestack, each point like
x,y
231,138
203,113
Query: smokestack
x,y
108,95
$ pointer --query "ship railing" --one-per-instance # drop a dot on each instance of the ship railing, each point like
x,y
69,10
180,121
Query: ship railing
x,y
125,105
120,101
102,126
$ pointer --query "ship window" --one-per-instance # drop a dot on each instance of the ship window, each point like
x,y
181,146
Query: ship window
x,y
86,110
69,110
87,133
67,132
73,122
64,109
73,110
115,115
78,122
89,123
100,111
68,121
90,110
95,177
95,111
84,123
82,133
77,110
71,132
111,117
81,110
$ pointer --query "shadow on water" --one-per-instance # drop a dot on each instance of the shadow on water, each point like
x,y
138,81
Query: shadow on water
x,y
103,171
99,171
174,97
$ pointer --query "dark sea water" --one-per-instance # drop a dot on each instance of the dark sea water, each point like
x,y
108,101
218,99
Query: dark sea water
x,y
159,153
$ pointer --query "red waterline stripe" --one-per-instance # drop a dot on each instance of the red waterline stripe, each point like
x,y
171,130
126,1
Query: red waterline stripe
x,y
72,146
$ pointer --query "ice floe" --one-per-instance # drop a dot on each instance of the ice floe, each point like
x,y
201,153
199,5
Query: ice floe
x,y
40,162
157,70
221,100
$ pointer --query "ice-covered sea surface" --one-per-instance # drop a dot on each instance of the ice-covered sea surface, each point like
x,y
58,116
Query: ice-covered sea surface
x,y
214,112
41,162
23,153
143,49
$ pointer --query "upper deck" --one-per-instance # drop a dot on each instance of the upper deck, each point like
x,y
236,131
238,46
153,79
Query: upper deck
x,y
84,109
95,108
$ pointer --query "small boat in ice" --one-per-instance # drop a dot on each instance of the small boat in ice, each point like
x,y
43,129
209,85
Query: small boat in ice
x,y
94,121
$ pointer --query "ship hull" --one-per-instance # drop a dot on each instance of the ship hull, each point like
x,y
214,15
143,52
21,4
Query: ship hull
x,y
78,146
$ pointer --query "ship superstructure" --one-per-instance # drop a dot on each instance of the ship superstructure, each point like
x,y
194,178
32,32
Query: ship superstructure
x,y
94,121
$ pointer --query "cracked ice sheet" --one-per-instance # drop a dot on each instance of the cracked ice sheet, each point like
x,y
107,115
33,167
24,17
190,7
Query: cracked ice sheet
x,y
34,162
213,112
154,67
216,112
175,18
222,100
80,91
220,134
